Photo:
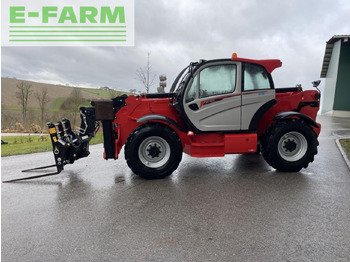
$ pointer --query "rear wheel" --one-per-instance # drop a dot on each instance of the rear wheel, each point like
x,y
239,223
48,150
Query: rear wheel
x,y
289,145
153,151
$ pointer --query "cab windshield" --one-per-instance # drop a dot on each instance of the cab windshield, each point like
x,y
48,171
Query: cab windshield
x,y
183,77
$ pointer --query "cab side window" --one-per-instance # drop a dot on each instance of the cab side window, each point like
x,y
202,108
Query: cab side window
x,y
217,80
255,78
212,81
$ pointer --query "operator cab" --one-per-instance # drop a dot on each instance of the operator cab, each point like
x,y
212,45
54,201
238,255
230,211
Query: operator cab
x,y
226,95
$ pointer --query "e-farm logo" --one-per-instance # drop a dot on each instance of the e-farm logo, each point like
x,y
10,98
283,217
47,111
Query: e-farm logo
x,y
108,23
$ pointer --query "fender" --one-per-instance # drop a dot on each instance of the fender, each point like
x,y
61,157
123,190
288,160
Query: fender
x,y
254,123
159,118
288,114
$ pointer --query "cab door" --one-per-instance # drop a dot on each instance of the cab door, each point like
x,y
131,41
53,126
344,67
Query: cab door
x,y
212,101
258,90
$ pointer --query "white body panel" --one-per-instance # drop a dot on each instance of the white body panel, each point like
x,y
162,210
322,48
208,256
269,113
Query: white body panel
x,y
251,102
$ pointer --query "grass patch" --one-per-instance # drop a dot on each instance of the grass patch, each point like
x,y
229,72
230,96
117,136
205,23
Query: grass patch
x,y
345,143
98,139
9,108
57,103
63,104
99,92
54,108
27,144
104,93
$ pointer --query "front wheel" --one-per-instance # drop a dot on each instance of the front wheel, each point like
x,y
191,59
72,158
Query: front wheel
x,y
153,151
289,145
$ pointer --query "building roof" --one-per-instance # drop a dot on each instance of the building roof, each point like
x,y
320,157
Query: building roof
x,y
328,52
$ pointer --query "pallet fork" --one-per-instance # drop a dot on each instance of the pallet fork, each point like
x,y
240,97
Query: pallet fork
x,y
67,145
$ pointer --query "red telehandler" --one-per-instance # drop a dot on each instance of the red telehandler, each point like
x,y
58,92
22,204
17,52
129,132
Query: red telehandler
x,y
214,107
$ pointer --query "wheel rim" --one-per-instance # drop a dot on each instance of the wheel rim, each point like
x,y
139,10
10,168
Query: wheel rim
x,y
154,152
292,146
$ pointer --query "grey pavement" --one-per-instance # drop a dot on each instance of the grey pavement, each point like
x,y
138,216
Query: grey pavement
x,y
235,208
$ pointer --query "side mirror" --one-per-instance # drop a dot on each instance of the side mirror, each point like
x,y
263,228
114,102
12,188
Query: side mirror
x,y
316,83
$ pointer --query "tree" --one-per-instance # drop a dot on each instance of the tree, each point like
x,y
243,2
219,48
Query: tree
x,y
76,98
43,99
145,75
23,94
113,93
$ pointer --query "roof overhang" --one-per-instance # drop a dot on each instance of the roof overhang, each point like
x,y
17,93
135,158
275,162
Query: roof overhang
x,y
328,52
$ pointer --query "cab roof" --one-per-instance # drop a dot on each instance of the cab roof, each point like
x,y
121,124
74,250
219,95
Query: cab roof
x,y
269,64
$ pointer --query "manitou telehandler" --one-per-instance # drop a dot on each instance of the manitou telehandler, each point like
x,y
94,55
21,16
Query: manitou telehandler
x,y
214,107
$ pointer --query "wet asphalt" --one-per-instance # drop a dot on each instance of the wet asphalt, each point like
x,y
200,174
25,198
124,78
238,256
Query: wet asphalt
x,y
235,208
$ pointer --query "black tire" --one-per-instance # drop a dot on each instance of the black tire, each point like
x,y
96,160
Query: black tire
x,y
153,151
289,145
